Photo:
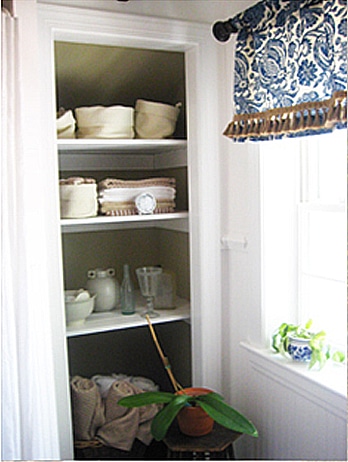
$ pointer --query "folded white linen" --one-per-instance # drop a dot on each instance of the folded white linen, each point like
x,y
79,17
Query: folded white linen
x,y
130,194
144,383
104,382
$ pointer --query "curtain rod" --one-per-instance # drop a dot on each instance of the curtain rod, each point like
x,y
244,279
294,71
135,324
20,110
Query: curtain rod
x,y
222,30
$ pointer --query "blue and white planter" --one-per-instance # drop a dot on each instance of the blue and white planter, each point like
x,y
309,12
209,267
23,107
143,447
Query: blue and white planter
x,y
299,349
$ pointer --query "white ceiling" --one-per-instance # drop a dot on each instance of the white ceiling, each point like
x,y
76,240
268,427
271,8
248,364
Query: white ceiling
x,y
206,11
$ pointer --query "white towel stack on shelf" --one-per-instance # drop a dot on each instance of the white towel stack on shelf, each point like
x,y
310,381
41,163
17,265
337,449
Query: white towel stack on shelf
x,y
117,197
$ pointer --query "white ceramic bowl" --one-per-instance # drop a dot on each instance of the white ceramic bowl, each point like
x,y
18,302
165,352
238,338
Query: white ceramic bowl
x,y
77,310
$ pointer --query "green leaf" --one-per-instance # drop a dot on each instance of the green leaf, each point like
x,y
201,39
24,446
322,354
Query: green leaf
x,y
142,399
275,342
339,357
225,415
165,417
216,396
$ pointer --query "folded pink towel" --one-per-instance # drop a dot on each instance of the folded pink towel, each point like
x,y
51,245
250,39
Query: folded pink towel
x,y
87,408
108,183
122,425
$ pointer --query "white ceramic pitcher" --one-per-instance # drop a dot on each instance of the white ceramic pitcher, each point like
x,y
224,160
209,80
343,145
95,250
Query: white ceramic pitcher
x,y
104,284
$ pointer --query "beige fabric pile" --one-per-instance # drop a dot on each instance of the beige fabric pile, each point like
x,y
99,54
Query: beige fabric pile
x,y
117,197
102,419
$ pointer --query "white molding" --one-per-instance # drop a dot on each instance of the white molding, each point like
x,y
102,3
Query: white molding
x,y
201,58
326,388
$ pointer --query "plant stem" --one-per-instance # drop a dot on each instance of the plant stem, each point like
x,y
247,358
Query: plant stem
x,y
164,359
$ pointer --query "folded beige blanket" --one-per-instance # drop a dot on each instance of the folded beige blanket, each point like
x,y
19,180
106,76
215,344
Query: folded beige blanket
x,y
122,425
76,180
112,208
116,183
87,408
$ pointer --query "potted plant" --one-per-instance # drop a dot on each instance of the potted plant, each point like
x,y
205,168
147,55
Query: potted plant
x,y
196,409
302,344
190,405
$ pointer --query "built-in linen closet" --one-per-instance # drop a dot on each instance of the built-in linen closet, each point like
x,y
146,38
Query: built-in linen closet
x,y
111,59
109,342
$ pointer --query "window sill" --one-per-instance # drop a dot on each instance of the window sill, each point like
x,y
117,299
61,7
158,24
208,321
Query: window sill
x,y
328,387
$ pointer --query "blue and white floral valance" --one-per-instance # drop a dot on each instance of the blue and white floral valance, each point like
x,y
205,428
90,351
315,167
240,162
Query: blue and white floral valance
x,y
290,74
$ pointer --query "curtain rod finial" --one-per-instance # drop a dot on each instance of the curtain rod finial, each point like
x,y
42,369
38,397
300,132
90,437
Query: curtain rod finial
x,y
222,30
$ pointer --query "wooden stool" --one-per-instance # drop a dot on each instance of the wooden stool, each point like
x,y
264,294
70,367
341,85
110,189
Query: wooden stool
x,y
216,445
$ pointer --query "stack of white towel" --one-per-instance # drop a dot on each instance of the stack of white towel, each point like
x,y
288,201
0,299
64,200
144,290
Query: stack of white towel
x,y
117,197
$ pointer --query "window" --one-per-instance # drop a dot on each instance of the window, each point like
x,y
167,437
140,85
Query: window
x,y
322,233
304,232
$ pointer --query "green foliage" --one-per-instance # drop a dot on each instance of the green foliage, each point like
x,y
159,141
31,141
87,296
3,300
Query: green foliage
x,y
321,350
212,403
225,415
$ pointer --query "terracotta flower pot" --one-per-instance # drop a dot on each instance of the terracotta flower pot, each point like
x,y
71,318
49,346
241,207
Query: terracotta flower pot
x,y
193,420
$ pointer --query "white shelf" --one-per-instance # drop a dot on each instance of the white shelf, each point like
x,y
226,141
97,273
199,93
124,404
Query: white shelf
x,y
177,221
133,146
104,155
114,320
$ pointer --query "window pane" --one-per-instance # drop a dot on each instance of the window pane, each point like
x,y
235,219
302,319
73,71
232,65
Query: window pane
x,y
323,234
324,301
324,237
324,168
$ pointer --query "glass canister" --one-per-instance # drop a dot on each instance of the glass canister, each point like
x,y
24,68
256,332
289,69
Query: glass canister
x,y
104,284
166,293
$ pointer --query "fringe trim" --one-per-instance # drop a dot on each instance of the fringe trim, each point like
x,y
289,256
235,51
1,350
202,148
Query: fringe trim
x,y
312,116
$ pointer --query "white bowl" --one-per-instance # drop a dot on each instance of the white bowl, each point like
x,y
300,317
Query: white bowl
x,y
77,310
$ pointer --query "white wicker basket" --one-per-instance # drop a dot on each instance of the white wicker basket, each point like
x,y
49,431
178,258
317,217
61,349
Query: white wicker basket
x,y
78,201
66,125
114,122
155,120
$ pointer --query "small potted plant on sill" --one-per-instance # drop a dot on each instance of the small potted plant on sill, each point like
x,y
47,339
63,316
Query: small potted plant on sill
x,y
302,344
196,409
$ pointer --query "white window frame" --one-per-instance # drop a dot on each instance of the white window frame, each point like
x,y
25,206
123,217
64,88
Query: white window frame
x,y
313,201
281,194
